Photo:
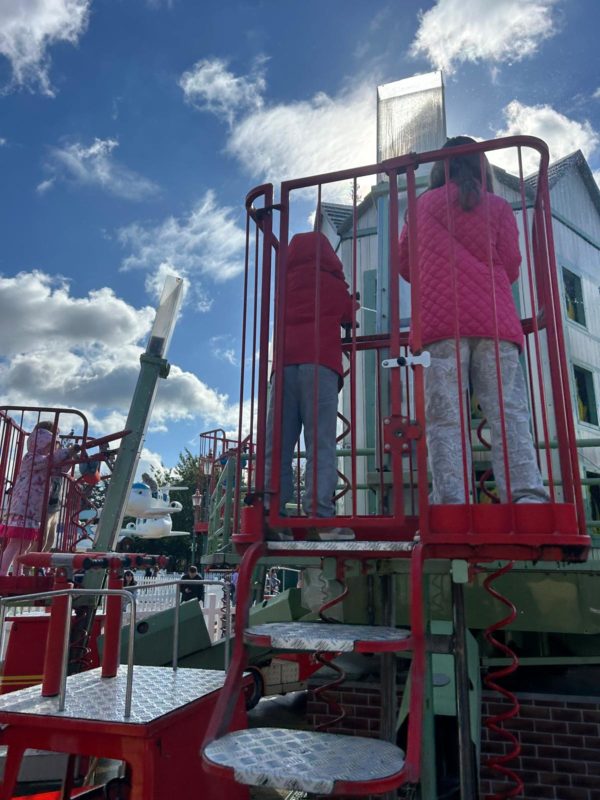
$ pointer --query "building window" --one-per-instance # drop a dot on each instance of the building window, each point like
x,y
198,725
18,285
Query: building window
x,y
586,397
573,297
594,495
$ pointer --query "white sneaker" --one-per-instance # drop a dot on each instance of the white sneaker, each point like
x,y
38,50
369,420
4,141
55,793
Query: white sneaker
x,y
531,499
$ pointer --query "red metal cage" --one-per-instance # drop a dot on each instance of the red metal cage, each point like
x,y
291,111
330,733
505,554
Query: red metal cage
x,y
383,481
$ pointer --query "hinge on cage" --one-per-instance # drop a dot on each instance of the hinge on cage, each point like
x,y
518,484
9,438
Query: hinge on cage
x,y
424,359
398,432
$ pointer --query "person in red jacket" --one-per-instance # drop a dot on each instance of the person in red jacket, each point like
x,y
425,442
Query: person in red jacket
x,y
468,257
312,362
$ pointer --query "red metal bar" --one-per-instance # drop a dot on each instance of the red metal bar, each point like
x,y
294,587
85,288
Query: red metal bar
x,y
263,363
501,410
419,377
566,428
457,334
395,382
223,713
379,428
56,632
255,331
536,338
238,467
353,373
317,338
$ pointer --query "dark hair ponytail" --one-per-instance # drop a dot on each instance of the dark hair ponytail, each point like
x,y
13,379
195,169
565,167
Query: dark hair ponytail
x,y
465,172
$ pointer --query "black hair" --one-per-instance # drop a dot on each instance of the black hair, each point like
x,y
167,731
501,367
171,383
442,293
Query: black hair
x,y
46,425
465,172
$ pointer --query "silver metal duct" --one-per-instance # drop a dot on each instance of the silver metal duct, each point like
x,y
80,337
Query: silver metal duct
x,y
410,116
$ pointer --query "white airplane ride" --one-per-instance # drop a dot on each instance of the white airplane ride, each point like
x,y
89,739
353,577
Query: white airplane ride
x,y
152,507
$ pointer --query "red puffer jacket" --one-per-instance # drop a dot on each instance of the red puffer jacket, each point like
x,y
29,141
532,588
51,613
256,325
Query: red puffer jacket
x,y
335,304
489,227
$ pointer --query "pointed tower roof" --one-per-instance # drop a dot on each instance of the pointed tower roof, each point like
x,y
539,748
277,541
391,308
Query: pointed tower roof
x,y
558,169
337,214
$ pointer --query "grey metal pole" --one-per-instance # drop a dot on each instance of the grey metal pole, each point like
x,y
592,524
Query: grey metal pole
x,y
468,776
389,700
176,628
388,664
130,651
227,599
2,633
65,656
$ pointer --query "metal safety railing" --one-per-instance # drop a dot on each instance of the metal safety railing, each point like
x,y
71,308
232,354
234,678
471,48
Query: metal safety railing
x,y
129,597
46,481
69,594
227,609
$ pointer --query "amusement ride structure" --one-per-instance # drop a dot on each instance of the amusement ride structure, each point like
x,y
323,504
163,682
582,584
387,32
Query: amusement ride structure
x,y
174,716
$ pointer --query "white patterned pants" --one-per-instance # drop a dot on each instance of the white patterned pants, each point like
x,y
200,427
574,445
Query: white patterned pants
x,y
442,413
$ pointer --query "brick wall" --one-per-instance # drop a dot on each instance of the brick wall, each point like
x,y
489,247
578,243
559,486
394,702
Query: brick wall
x,y
361,702
560,746
559,736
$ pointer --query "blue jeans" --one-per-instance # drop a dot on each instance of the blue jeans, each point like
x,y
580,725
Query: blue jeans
x,y
298,414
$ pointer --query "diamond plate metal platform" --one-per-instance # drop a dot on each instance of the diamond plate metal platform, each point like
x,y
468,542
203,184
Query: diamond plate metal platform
x,y
362,547
302,760
327,637
156,691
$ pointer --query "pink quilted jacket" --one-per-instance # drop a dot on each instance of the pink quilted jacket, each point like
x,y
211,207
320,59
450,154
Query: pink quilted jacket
x,y
489,228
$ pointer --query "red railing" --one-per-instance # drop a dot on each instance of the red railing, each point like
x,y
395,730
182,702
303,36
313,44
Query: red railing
x,y
383,456
53,491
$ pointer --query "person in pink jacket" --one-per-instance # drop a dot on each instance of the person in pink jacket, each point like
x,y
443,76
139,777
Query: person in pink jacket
x,y
27,499
468,257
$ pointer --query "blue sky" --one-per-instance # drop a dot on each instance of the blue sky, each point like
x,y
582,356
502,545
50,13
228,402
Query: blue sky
x,y
131,131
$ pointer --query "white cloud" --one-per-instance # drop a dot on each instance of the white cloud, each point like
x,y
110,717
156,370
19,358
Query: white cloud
x,y
59,350
28,28
562,134
287,140
203,301
455,31
210,86
208,241
149,462
223,349
290,140
596,94
95,165
3,141
36,309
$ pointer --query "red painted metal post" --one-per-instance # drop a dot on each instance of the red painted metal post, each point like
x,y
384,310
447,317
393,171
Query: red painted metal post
x,y
56,632
112,624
